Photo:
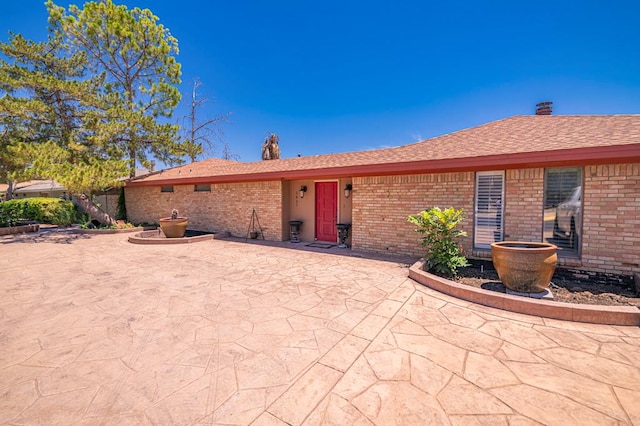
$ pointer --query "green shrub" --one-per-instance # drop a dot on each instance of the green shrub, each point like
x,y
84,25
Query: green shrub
x,y
40,209
9,214
59,213
438,227
121,210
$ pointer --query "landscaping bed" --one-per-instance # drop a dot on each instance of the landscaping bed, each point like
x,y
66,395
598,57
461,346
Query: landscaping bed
x,y
566,285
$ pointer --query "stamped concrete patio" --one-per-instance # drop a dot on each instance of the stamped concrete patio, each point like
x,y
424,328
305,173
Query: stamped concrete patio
x,y
95,330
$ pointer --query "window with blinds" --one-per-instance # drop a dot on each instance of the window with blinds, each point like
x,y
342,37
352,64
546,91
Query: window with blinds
x,y
563,209
489,208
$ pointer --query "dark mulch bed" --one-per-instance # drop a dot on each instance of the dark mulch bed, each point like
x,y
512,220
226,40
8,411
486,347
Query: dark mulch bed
x,y
566,285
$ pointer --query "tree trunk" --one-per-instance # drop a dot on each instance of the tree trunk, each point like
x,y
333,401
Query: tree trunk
x,y
10,188
93,211
132,162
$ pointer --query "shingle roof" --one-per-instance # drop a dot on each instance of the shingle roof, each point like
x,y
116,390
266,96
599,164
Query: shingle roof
x,y
38,186
519,136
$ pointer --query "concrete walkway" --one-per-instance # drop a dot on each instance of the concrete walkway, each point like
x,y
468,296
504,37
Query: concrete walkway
x,y
94,330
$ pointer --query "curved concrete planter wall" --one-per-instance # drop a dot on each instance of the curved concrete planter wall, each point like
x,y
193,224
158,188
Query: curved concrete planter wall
x,y
107,231
157,237
614,315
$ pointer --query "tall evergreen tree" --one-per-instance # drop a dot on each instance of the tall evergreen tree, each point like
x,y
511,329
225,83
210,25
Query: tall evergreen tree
x,y
49,116
136,56
24,116
85,106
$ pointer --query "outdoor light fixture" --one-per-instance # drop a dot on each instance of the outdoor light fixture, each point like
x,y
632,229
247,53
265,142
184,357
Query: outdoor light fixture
x,y
347,190
303,189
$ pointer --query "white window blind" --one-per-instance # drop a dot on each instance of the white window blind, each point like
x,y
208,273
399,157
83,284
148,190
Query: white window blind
x,y
489,207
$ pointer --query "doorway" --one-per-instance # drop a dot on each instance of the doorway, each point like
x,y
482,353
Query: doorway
x,y
326,211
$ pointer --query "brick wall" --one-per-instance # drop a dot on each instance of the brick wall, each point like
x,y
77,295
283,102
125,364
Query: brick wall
x,y
523,205
226,208
611,221
381,205
611,218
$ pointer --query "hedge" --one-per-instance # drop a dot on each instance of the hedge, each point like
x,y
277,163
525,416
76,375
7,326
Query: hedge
x,y
39,209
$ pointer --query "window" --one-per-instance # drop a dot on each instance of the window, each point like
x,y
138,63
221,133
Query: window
x,y
202,188
166,188
563,209
488,209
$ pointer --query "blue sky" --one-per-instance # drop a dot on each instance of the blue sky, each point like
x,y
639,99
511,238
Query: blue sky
x,y
336,76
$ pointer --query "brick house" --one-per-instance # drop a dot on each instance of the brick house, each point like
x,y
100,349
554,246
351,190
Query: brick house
x,y
570,180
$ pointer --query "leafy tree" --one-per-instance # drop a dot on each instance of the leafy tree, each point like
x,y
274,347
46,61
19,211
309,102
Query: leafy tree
x,y
27,74
270,148
136,56
199,135
85,106
438,229
49,114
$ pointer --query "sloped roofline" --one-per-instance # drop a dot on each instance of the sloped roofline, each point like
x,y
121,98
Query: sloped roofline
x,y
557,158
615,150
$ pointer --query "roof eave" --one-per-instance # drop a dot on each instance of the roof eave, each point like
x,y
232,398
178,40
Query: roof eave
x,y
556,158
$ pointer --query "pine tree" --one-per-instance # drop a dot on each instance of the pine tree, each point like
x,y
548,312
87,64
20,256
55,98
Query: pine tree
x,y
49,115
84,107
136,55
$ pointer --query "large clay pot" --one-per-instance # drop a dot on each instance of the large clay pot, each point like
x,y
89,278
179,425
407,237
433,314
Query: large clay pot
x,y
525,267
174,228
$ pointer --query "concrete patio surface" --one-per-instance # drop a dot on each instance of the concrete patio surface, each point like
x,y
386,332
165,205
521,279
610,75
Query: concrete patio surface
x,y
95,330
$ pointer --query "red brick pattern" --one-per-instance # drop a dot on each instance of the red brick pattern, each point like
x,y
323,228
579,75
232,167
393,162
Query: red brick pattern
x,y
523,205
227,207
381,206
611,218
611,230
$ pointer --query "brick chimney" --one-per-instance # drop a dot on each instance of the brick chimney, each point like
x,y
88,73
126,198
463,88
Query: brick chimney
x,y
544,108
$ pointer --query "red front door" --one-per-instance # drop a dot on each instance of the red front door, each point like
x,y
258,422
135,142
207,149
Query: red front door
x,y
326,211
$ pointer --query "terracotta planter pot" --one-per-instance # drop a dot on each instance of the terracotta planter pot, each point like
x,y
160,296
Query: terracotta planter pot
x,y
174,228
526,267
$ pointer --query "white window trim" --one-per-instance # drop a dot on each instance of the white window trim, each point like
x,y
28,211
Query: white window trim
x,y
485,243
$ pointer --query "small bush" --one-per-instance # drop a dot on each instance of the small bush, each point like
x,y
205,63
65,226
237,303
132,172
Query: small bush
x,y
438,227
9,214
121,210
44,210
60,213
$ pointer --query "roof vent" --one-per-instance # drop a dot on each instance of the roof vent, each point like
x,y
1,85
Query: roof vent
x,y
544,108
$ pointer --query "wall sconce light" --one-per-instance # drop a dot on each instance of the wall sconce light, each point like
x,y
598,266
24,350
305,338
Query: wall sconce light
x,y
347,190
303,189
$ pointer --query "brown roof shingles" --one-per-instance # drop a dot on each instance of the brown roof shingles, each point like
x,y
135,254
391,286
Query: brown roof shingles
x,y
519,138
